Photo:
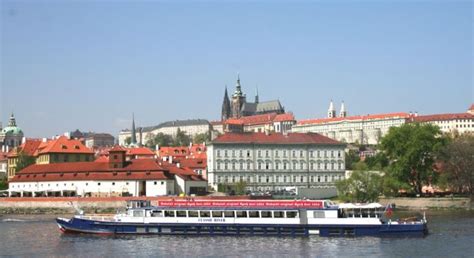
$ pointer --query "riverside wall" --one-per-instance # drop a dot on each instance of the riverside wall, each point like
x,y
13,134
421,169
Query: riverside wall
x,y
444,203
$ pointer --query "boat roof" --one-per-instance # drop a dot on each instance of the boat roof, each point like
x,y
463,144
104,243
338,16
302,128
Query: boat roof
x,y
360,205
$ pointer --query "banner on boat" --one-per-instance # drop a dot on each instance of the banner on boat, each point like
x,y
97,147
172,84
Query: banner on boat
x,y
226,204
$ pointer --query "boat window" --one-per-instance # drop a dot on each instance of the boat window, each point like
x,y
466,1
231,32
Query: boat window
x,y
204,214
241,214
169,214
266,214
217,214
278,214
193,214
138,213
157,213
181,213
291,214
229,214
254,214
319,214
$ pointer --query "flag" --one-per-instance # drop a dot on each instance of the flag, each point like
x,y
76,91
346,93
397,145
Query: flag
x,y
388,211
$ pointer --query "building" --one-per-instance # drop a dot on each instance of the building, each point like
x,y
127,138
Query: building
x,y
3,164
62,149
273,122
275,161
112,176
28,148
11,135
140,153
363,129
190,127
94,140
238,106
450,123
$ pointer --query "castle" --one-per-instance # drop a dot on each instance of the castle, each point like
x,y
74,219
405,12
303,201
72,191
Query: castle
x,y
238,106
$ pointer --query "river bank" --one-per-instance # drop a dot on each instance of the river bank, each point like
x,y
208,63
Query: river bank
x,y
107,205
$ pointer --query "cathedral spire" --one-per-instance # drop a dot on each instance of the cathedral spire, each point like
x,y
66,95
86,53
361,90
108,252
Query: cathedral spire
x,y
238,88
343,112
133,140
226,111
256,95
331,110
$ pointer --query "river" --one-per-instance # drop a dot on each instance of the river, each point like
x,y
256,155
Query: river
x,y
451,235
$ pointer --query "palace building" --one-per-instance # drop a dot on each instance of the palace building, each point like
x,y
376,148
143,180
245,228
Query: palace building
x,y
275,161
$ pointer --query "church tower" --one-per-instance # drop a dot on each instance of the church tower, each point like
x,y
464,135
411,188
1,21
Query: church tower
x,y
331,110
133,140
256,95
343,112
238,100
226,111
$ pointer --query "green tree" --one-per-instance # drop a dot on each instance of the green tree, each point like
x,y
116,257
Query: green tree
x,y
24,161
458,164
128,140
377,162
162,140
240,187
202,137
362,186
351,158
411,150
3,184
181,139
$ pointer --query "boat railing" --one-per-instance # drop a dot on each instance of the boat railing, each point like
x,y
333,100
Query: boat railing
x,y
101,217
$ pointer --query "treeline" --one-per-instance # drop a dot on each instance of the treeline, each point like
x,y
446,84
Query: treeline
x,y
408,158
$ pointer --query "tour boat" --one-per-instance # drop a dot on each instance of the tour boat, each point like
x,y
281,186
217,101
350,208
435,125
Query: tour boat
x,y
248,217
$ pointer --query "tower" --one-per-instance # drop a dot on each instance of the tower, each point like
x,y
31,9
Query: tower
x,y
238,100
133,140
12,121
343,112
256,95
331,110
226,112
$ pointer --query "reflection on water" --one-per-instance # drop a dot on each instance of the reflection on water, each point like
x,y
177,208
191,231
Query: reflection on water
x,y
450,235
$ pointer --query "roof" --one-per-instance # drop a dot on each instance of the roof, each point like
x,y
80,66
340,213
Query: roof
x,y
272,105
64,145
443,117
117,148
471,108
68,176
194,163
174,151
354,118
94,135
140,151
284,117
178,123
275,138
29,147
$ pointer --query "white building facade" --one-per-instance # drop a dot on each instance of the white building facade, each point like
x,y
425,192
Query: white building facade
x,y
275,161
450,123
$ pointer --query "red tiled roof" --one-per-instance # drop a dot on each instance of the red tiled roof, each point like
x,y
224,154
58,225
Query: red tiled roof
x,y
64,145
234,121
140,151
350,118
3,155
29,147
471,108
117,148
102,159
284,117
174,151
262,138
443,117
258,119
194,163
81,176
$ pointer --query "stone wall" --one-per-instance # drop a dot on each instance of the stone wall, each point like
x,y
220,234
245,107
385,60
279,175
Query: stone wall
x,y
429,203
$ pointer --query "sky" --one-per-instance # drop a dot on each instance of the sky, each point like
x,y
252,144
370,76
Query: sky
x,y
88,65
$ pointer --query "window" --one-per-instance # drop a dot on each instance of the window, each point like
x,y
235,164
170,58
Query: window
x,y
181,214
204,214
113,183
169,213
278,214
291,214
217,214
301,154
259,153
294,154
218,153
193,214
266,214
155,183
254,214
233,153
267,153
98,183
229,214
241,214
225,153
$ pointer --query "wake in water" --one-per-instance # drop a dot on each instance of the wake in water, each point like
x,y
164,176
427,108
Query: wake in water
x,y
14,220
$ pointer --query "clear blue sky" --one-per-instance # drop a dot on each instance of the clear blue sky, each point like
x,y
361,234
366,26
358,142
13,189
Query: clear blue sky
x,y
89,65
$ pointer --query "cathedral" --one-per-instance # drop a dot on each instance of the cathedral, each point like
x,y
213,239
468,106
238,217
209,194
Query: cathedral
x,y
237,106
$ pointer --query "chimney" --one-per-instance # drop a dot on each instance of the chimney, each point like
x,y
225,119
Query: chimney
x,y
178,165
23,140
170,160
157,147
7,148
44,140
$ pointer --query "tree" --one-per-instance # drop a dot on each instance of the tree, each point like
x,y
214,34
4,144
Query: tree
x,y
24,161
412,149
240,187
377,162
351,158
458,164
362,186
202,137
181,139
162,139
128,140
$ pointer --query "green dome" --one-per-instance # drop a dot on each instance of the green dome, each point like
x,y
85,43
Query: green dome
x,y
12,130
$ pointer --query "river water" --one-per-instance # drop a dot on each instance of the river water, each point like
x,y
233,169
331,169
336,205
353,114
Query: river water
x,y
451,235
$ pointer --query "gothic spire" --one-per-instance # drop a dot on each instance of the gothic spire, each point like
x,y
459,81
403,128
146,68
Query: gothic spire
x,y
134,135
238,88
256,95
226,111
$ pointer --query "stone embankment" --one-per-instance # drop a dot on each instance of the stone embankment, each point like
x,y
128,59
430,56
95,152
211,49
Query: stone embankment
x,y
444,203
